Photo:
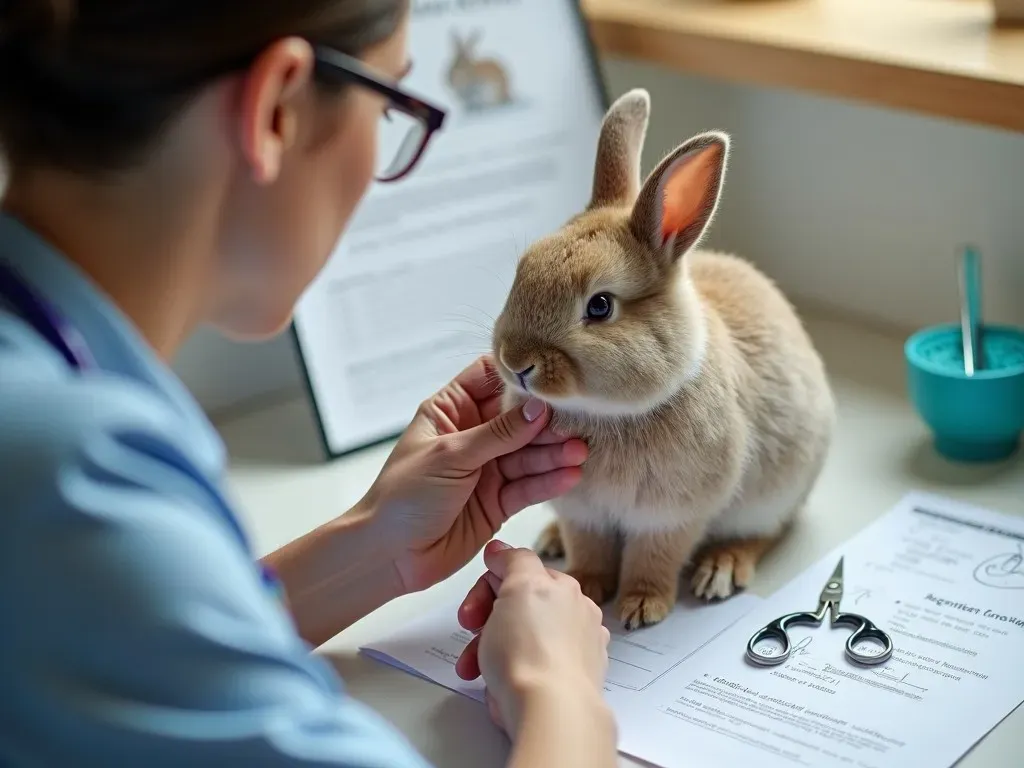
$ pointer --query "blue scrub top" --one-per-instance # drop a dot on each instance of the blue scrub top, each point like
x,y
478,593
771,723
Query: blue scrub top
x,y
135,626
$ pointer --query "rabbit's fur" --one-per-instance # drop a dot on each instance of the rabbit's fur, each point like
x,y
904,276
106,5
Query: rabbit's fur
x,y
706,407
479,83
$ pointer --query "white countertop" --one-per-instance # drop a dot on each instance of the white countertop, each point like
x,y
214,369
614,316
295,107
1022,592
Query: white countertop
x,y
881,451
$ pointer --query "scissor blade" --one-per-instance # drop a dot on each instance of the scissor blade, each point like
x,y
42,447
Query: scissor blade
x,y
834,586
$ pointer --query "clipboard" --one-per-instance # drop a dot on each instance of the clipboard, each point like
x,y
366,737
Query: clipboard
x,y
407,298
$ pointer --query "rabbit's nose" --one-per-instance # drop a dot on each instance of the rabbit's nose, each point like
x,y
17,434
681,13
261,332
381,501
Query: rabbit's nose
x,y
521,375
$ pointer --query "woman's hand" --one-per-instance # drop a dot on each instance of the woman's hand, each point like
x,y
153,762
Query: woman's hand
x,y
460,470
539,636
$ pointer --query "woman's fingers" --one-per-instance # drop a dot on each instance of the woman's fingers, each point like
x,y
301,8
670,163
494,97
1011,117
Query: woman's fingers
x,y
467,666
493,710
492,407
517,495
502,435
480,379
475,609
538,459
501,560
548,436
598,613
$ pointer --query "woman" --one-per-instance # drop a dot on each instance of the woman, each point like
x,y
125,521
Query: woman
x,y
177,162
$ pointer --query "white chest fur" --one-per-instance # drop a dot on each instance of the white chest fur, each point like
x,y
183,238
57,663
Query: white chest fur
x,y
666,470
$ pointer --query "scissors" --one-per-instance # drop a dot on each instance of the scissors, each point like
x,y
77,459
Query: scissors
x,y
864,629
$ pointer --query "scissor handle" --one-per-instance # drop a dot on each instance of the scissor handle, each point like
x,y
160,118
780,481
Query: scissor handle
x,y
864,629
777,630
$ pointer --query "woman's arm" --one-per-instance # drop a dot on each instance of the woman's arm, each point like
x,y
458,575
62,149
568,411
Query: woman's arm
x,y
336,574
178,656
560,728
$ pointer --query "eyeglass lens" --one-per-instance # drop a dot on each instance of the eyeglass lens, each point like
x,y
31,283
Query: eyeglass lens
x,y
399,141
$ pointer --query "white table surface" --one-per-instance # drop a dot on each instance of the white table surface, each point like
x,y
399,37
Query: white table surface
x,y
882,450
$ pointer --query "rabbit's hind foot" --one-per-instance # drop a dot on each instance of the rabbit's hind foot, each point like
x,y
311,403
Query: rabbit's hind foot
x,y
549,545
725,568
644,610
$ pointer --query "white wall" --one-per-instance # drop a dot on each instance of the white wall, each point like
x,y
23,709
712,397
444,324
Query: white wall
x,y
858,207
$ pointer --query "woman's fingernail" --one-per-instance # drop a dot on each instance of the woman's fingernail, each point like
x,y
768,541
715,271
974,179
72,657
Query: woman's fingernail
x,y
499,545
533,409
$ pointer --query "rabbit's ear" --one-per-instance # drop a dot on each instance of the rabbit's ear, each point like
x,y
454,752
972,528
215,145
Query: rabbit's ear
x,y
680,197
617,166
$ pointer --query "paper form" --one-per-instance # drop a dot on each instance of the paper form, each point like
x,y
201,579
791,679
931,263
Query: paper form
x,y
945,580
636,659
430,646
409,296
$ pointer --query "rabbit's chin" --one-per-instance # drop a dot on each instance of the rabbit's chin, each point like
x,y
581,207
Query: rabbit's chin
x,y
595,407
584,406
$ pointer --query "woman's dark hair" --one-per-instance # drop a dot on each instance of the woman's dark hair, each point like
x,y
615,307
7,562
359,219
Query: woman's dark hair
x,y
88,85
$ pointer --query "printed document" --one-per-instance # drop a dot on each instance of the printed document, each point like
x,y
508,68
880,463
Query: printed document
x,y
944,579
409,296
430,646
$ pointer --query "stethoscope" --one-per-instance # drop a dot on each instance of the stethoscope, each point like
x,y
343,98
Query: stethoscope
x,y
47,320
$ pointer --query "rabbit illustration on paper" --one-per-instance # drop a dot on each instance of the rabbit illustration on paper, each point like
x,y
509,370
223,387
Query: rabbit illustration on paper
x,y
479,83
705,405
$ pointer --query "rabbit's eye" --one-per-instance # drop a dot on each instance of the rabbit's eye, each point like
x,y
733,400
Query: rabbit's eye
x,y
599,307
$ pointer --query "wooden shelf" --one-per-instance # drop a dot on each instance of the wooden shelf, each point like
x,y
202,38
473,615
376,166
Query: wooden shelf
x,y
935,57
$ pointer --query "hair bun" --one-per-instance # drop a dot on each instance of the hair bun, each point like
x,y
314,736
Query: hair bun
x,y
29,23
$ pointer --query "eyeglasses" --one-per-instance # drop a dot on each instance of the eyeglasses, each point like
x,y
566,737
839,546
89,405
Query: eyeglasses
x,y
411,121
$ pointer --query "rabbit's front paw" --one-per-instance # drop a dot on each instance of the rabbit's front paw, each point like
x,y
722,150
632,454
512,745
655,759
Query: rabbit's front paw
x,y
549,544
726,568
642,610
597,586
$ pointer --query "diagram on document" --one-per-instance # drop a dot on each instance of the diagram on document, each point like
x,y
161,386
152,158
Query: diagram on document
x,y
1002,571
481,82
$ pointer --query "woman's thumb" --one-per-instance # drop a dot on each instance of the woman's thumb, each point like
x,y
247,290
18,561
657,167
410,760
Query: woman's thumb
x,y
506,432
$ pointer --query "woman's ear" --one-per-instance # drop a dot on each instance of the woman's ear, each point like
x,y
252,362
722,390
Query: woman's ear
x,y
679,199
269,110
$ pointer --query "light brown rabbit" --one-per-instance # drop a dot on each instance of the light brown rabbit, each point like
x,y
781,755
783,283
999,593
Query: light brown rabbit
x,y
706,407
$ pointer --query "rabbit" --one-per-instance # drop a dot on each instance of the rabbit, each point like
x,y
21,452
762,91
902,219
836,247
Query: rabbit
x,y
479,83
706,406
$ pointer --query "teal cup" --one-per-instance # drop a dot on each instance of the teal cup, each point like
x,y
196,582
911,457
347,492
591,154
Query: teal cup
x,y
975,418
